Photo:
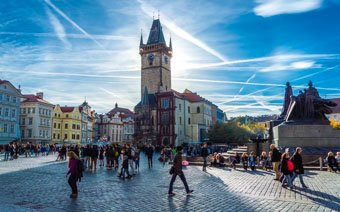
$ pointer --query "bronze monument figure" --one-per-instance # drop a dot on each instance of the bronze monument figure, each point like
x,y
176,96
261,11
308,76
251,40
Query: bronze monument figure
x,y
307,108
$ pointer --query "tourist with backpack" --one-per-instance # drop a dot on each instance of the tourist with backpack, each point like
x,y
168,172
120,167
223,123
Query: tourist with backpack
x,y
75,171
287,168
298,166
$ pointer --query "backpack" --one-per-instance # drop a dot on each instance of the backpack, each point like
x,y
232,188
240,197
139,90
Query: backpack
x,y
80,169
290,165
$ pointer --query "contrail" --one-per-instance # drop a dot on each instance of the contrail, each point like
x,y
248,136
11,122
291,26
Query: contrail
x,y
73,23
147,9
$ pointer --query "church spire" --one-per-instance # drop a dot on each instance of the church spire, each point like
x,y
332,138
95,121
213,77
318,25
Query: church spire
x,y
141,39
156,33
170,43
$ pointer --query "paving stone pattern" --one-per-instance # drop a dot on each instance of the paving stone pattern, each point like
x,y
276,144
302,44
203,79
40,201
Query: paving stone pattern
x,y
39,184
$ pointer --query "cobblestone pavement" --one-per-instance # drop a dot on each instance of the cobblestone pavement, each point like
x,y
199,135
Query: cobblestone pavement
x,y
39,184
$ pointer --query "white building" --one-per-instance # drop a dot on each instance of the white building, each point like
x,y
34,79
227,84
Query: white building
x,y
116,126
9,112
35,118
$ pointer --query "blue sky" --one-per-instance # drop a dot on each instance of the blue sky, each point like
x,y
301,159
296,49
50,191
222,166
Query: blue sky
x,y
238,54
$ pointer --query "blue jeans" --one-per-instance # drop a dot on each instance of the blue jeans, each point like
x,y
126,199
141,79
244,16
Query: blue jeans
x,y
300,177
204,163
287,179
7,155
173,179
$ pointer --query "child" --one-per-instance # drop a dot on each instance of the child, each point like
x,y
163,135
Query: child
x,y
252,161
244,160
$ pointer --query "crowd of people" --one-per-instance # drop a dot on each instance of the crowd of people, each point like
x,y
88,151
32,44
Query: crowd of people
x,y
14,149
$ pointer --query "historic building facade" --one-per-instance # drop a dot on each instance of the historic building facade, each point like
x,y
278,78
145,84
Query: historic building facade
x,y
67,123
116,126
35,119
9,112
87,123
335,115
165,116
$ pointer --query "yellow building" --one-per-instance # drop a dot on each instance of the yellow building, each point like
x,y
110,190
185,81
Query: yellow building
x,y
66,126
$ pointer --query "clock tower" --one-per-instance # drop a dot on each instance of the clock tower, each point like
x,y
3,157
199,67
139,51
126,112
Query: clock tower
x,y
155,61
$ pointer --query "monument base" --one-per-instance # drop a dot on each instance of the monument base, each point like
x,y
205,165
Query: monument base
x,y
285,135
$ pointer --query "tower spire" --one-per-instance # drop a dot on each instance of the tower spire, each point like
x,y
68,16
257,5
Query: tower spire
x,y
141,38
170,43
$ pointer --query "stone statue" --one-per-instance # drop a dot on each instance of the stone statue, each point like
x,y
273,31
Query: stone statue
x,y
307,107
288,94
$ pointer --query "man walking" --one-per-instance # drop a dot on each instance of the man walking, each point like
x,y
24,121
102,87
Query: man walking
x,y
177,167
276,157
204,154
149,154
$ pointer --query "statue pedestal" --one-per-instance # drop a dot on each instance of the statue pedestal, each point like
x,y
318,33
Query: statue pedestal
x,y
285,135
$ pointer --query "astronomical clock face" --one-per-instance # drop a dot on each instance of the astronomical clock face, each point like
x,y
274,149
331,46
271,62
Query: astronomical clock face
x,y
151,57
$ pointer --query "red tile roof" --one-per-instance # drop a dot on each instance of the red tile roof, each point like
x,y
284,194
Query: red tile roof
x,y
120,110
34,98
66,109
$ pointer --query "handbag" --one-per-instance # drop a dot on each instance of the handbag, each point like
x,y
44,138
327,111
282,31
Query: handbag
x,y
172,170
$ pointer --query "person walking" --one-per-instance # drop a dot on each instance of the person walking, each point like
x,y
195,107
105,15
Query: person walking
x,y
73,172
204,155
287,168
149,154
177,170
94,157
275,159
298,166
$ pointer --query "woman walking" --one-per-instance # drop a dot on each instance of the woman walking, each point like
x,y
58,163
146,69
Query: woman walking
x,y
287,168
298,166
73,172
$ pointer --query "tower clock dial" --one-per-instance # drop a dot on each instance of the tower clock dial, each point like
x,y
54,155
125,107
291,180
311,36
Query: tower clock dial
x,y
151,57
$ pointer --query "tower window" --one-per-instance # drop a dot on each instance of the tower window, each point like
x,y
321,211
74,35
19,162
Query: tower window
x,y
198,109
188,109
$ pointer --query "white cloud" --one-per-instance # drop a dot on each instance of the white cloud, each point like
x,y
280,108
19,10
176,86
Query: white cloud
x,y
58,28
268,8
297,65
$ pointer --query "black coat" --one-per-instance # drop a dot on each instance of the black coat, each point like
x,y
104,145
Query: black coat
x,y
298,166
276,156
149,152
204,152
178,163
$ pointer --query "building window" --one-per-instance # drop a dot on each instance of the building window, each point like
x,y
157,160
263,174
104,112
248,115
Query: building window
x,y
180,120
58,136
29,110
7,98
23,121
30,121
6,112
53,135
78,127
198,109
24,111
13,113
188,109
165,103
5,128
73,136
14,99
66,115
29,133
165,118
180,107
78,137
65,136
40,133
23,133
66,126
55,125
33,110
189,121
73,126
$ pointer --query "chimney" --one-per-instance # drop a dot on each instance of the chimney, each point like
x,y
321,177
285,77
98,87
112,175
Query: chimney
x,y
40,95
